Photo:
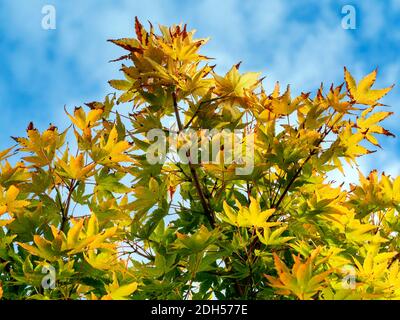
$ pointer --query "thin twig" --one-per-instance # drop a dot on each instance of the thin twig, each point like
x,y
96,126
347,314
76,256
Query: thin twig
x,y
193,172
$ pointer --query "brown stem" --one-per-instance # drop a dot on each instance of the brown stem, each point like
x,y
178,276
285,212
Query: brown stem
x,y
286,190
397,256
193,172
199,107
297,173
65,209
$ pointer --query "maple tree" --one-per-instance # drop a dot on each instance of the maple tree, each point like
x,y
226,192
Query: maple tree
x,y
87,202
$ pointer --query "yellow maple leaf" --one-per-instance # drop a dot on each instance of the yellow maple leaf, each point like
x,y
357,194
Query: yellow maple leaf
x,y
82,120
362,93
41,146
351,142
112,151
368,126
302,280
182,47
235,84
117,292
335,99
104,260
285,105
75,168
4,154
9,202
248,217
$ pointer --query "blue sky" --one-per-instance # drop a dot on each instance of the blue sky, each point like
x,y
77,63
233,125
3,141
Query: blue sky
x,y
296,42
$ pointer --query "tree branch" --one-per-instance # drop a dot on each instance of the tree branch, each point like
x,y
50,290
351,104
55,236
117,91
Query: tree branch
x,y
297,173
193,172
65,210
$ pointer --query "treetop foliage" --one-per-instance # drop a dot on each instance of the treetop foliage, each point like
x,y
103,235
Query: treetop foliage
x,y
84,215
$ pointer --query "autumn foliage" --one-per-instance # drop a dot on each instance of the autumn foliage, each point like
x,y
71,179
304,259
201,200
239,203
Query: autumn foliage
x,y
85,203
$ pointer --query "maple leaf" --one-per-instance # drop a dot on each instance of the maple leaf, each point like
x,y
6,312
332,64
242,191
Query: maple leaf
x,y
248,217
82,120
117,292
284,105
112,151
4,154
369,126
9,202
235,84
302,280
41,146
351,142
74,167
101,260
273,238
335,99
362,93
